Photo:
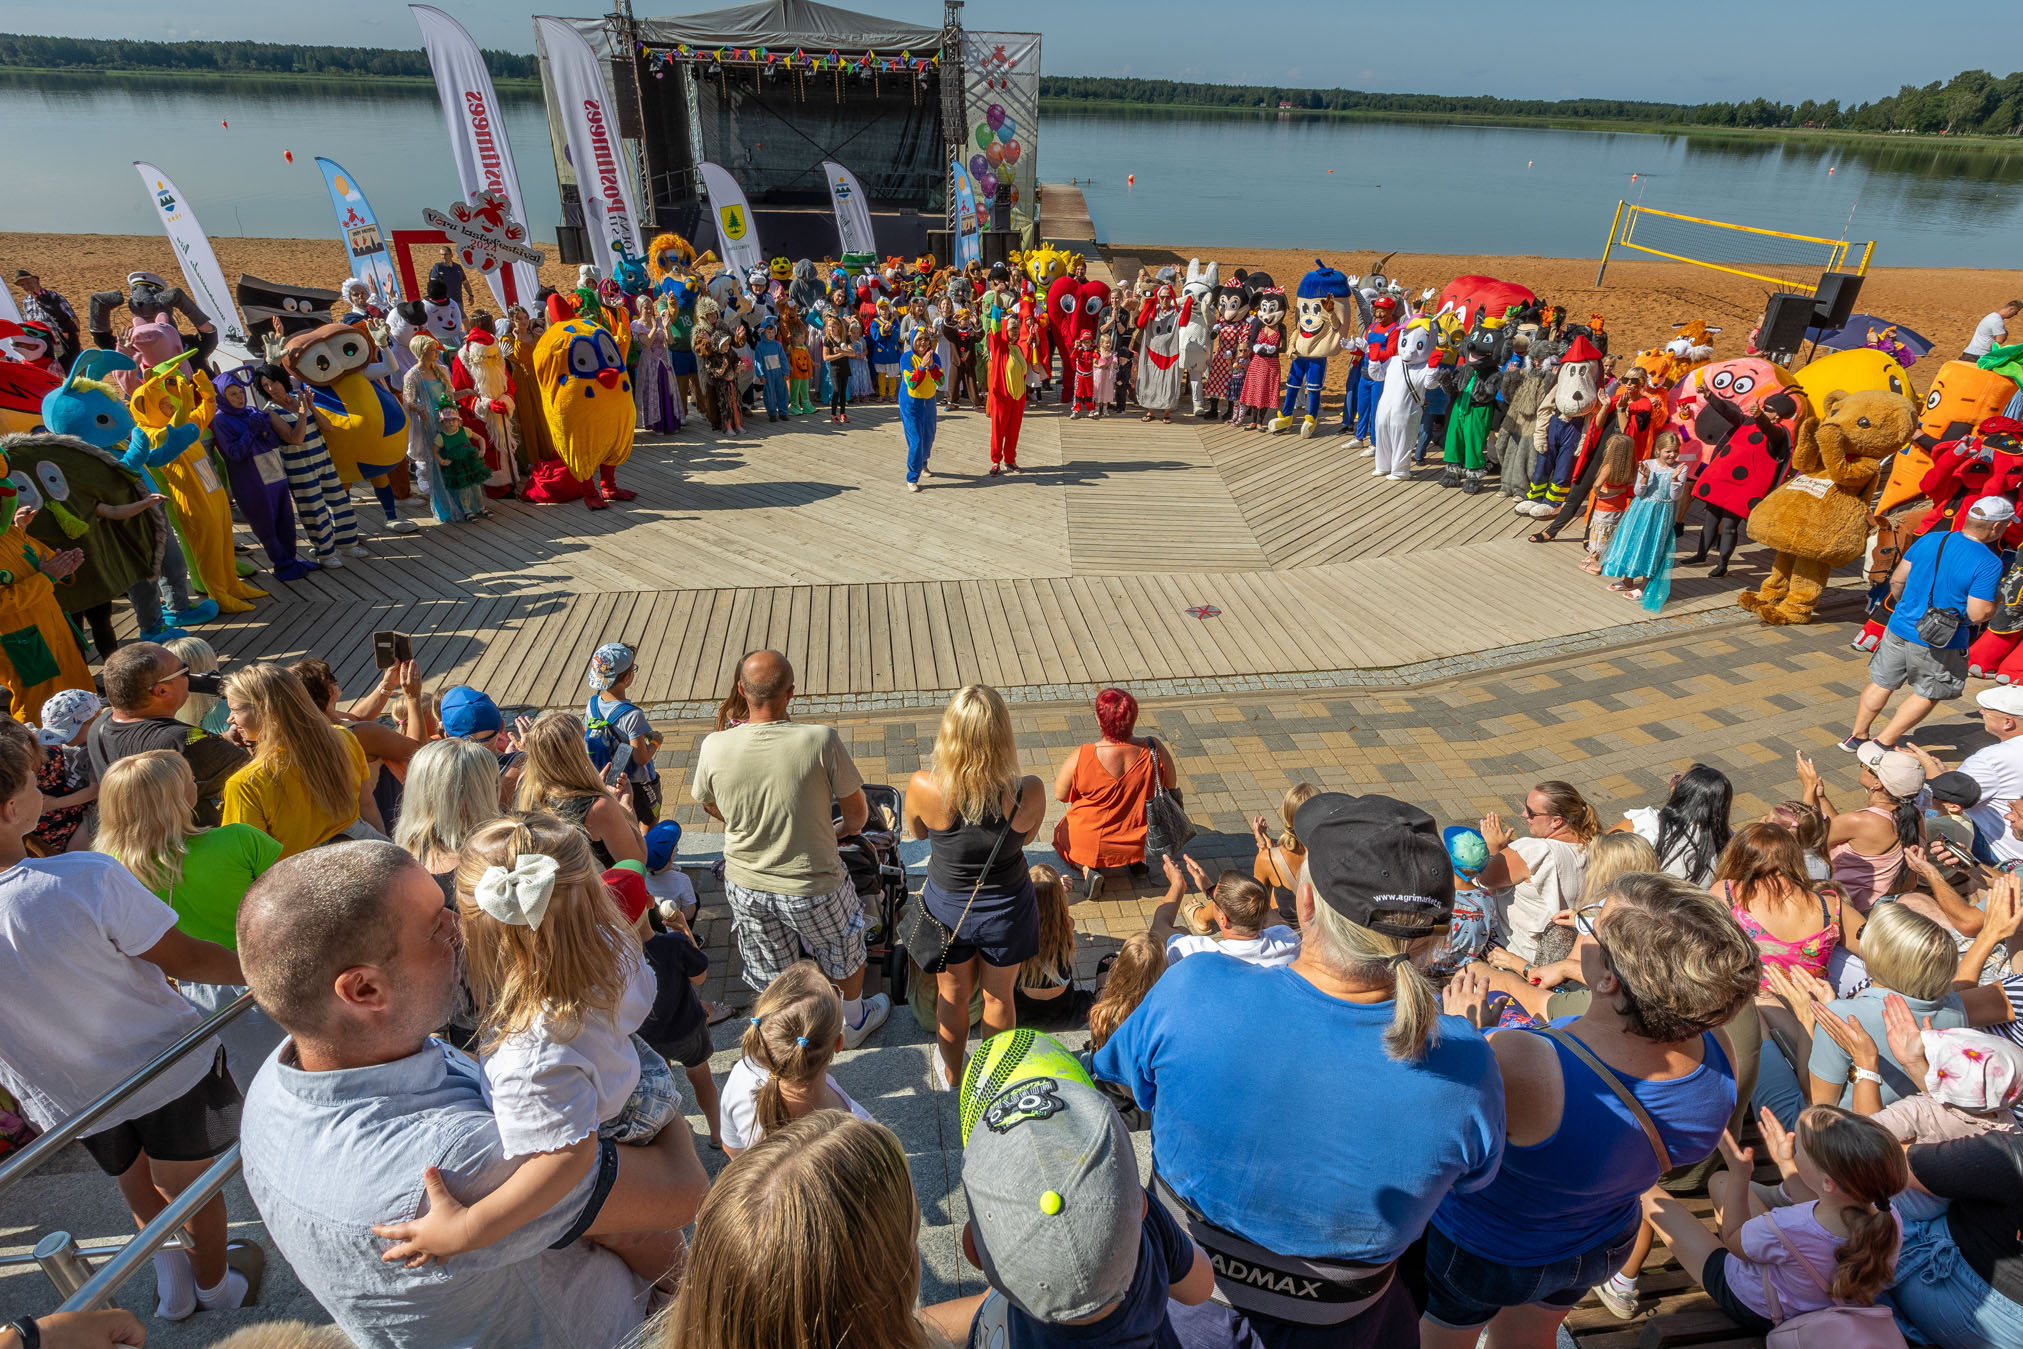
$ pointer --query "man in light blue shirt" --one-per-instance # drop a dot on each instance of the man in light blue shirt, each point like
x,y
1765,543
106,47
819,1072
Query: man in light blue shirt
x,y
350,949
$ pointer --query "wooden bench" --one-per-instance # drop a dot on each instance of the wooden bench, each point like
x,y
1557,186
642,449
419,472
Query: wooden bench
x,y
1676,1311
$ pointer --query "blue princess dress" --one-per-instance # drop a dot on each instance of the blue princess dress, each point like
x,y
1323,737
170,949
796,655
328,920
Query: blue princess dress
x,y
1642,545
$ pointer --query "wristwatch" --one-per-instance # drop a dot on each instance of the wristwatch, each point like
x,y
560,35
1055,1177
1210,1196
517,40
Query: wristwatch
x,y
30,1333
1868,1075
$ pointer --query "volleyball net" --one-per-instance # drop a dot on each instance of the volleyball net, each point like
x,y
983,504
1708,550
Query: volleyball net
x,y
1788,261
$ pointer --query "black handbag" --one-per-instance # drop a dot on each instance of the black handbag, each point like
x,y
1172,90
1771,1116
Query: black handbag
x,y
926,937
1937,626
1167,828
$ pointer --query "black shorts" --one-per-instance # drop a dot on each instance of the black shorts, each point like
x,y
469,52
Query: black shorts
x,y
1714,1278
195,1127
691,1050
1003,929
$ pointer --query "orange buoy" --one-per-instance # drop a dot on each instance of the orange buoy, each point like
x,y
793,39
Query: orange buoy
x,y
1131,178
288,155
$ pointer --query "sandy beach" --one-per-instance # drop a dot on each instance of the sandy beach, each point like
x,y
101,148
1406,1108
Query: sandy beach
x,y
1641,300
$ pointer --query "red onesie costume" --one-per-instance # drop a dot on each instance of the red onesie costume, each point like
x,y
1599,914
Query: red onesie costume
x,y
1085,375
1008,410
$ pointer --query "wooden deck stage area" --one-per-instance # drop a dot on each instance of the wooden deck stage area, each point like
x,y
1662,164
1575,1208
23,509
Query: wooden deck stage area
x,y
801,536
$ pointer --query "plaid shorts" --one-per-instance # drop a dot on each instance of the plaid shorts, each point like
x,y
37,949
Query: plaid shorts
x,y
773,930
654,1104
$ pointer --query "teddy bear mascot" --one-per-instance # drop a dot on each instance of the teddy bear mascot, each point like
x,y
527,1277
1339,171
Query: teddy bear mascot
x,y
591,417
1819,519
1321,316
1477,390
39,655
364,427
1402,400
1197,331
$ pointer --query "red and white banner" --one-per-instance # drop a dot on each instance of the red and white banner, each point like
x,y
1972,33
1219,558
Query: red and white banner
x,y
589,126
477,133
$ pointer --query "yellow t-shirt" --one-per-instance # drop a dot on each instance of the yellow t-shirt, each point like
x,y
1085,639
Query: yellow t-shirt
x,y
280,804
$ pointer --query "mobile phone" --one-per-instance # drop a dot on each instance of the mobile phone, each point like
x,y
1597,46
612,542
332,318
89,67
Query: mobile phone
x,y
391,648
614,772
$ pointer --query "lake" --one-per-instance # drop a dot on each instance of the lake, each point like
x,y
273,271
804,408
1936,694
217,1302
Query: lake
x,y
1202,179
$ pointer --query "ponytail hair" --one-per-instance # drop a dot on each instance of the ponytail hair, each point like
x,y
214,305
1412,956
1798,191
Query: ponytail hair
x,y
1867,1166
792,1035
1564,800
1354,953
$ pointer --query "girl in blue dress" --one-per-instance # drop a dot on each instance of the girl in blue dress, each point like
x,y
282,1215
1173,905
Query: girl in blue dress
x,y
1640,554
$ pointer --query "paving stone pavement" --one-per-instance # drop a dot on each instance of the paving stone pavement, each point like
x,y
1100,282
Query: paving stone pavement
x,y
1741,697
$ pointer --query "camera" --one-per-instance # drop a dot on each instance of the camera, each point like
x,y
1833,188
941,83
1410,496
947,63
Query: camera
x,y
212,683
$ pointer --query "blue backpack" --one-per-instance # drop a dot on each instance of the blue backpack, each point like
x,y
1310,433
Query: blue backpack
x,y
600,737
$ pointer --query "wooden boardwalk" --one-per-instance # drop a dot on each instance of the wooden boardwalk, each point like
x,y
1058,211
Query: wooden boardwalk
x,y
800,536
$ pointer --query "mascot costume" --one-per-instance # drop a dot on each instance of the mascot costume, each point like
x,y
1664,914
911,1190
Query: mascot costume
x,y
1321,317
251,449
364,427
164,407
1159,374
1074,309
1850,371
485,392
1402,400
152,300
1261,374
1476,388
590,411
39,655
1197,330
1568,416
671,261
1467,300
1011,333
1226,358
1380,344
1962,396
23,386
1820,518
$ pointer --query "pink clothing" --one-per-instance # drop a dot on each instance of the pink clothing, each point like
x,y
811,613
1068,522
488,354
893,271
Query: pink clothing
x,y
1106,377
1866,878
1920,1119
1763,1251
1809,953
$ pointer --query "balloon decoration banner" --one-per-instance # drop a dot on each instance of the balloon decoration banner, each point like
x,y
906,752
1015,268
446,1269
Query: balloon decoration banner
x,y
201,272
1002,91
589,126
737,234
853,210
358,228
477,133
968,236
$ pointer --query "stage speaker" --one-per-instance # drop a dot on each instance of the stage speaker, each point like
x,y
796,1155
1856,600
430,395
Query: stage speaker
x,y
1834,301
1785,320
625,83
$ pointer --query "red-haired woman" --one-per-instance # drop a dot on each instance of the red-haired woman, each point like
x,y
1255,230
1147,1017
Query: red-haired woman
x,y
1106,786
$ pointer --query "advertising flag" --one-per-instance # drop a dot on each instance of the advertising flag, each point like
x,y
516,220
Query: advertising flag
x,y
968,236
853,209
358,229
201,273
589,126
737,235
477,135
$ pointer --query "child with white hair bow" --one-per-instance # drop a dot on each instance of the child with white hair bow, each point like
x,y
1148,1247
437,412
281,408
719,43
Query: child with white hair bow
x,y
560,987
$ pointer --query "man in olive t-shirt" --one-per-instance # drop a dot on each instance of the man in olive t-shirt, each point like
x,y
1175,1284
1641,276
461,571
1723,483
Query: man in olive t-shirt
x,y
774,783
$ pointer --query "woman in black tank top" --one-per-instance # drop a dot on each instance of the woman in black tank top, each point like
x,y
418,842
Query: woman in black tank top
x,y
973,800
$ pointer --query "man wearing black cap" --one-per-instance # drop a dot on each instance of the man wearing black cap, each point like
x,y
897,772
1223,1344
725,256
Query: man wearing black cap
x,y
1304,1131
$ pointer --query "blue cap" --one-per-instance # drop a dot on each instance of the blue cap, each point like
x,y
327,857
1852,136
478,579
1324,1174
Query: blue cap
x,y
467,712
660,843
1465,848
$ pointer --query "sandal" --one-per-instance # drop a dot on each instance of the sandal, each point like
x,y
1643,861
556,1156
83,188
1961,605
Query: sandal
x,y
1093,887
1542,536
1617,585
718,1012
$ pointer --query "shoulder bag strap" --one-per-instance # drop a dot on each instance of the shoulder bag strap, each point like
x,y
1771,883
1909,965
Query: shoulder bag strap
x,y
1937,560
1151,748
1811,1270
1623,1093
1018,797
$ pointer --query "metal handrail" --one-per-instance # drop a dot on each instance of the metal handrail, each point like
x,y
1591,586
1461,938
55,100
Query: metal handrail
x,y
98,1290
48,1145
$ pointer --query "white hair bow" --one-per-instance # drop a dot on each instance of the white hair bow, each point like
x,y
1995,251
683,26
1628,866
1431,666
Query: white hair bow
x,y
518,897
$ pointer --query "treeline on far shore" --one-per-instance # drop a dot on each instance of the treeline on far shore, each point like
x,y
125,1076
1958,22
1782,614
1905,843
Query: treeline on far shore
x,y
1972,103
23,51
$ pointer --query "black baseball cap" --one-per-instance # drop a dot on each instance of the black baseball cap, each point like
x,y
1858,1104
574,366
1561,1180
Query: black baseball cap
x,y
1378,862
1955,789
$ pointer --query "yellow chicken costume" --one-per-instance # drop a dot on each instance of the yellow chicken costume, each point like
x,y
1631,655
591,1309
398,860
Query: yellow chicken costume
x,y
39,654
197,501
580,369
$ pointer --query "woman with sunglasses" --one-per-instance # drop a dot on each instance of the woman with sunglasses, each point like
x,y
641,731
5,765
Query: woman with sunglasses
x,y
1528,880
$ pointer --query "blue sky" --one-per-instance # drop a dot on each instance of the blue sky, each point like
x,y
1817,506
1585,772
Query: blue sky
x,y
1712,50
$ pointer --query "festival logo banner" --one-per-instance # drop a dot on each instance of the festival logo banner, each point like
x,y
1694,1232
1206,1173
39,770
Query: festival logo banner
x,y
484,233
1001,87
201,272
477,134
577,86
737,235
968,225
853,209
358,228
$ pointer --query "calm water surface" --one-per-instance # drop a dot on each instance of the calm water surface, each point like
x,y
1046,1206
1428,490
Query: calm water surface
x,y
1214,179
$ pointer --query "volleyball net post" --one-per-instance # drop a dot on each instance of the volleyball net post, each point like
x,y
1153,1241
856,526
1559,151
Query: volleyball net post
x,y
1779,258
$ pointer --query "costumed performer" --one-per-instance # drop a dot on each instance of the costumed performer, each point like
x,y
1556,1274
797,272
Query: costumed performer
x,y
487,398
1011,334
580,372
423,390
363,426
164,404
1738,473
1159,373
1401,399
671,261
322,506
1232,329
654,385
1261,374
1642,546
1476,389
771,358
800,370
530,418
458,466
963,336
39,655
1104,386
1380,344
919,380
1515,447
152,300
1574,419
249,440
1320,320
1197,329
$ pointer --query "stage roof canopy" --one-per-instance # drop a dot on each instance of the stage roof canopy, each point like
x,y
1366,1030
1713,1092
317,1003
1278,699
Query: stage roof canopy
x,y
789,24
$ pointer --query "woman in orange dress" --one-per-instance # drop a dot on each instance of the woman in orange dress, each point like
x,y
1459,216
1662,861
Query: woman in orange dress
x,y
1106,786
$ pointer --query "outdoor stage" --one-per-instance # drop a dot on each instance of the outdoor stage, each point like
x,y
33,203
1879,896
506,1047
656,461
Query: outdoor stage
x,y
1081,572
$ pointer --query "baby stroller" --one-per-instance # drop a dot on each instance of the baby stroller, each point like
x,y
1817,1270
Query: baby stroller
x,y
879,874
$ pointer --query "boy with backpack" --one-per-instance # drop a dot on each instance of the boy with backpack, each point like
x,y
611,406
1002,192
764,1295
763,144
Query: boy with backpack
x,y
620,739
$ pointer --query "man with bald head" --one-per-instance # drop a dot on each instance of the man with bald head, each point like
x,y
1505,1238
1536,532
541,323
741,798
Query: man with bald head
x,y
775,783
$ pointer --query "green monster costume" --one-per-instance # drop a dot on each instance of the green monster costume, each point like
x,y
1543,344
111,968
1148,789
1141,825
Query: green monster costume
x,y
71,479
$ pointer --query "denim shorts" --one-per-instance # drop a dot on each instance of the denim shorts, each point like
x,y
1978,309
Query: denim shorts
x,y
654,1104
1464,1289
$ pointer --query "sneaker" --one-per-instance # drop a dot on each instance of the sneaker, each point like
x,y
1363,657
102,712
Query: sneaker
x,y
1852,743
356,550
996,470
332,562
1622,1307
401,526
913,487
876,1008
1013,469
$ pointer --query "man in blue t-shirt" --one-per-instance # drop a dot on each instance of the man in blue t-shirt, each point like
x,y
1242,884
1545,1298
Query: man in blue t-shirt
x,y
1304,1134
1944,572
